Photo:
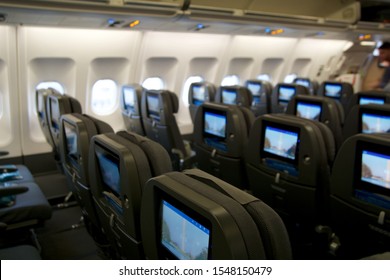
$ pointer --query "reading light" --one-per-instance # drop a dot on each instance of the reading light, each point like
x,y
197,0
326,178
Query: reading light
x,y
113,22
365,37
134,23
277,31
270,31
200,26
110,21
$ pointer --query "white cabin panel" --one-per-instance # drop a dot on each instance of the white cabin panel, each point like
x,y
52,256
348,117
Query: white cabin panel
x,y
273,68
76,58
9,98
259,49
112,69
301,67
45,69
175,57
318,51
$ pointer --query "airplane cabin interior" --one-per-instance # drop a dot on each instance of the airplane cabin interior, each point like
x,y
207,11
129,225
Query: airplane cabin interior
x,y
193,129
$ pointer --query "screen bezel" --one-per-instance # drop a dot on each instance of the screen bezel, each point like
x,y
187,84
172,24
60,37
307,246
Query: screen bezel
x,y
298,102
339,95
113,157
370,111
265,154
210,135
151,113
303,82
126,106
360,186
257,84
163,252
284,101
230,91
381,98
73,128
198,101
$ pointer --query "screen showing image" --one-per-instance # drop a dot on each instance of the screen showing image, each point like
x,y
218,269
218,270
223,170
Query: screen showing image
x,y
109,169
183,236
371,100
286,93
229,97
55,113
280,142
302,82
308,110
153,106
215,124
255,88
198,94
71,140
333,90
128,96
372,123
376,169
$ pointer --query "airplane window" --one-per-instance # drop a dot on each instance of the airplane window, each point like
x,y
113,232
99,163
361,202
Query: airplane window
x,y
186,88
230,80
290,78
264,77
51,84
153,83
104,97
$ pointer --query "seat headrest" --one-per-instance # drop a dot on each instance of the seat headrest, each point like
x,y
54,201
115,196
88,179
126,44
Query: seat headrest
x,y
174,102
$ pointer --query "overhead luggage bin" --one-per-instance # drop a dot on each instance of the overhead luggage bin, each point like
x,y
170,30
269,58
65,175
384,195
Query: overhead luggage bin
x,y
332,13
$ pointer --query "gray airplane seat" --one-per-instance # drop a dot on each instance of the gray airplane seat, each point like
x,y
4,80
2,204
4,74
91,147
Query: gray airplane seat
x,y
15,173
339,91
22,206
261,96
367,97
131,108
198,94
319,108
42,112
58,105
312,85
194,215
76,131
119,166
360,196
234,95
288,161
20,252
220,135
282,93
158,109
369,118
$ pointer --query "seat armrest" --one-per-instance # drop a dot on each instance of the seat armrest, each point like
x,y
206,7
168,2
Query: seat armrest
x,y
14,190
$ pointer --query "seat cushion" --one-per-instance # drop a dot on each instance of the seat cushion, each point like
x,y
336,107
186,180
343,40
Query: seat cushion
x,y
30,205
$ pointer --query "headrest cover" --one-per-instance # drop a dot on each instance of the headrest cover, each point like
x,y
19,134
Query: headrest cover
x,y
174,102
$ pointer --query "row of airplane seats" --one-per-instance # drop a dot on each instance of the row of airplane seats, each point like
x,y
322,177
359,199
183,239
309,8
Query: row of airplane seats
x,y
151,113
262,98
23,208
110,173
316,133
288,160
